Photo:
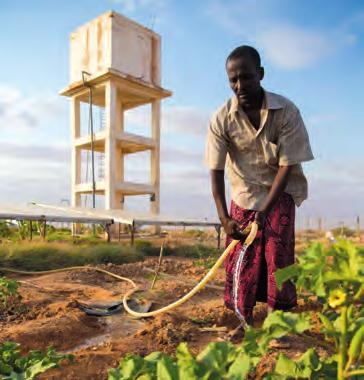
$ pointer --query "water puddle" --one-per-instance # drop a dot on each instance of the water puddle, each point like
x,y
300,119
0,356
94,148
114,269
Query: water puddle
x,y
114,327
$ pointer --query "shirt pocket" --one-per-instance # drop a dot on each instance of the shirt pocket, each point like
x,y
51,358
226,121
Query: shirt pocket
x,y
270,151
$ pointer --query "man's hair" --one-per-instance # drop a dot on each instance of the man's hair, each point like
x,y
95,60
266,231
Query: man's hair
x,y
243,51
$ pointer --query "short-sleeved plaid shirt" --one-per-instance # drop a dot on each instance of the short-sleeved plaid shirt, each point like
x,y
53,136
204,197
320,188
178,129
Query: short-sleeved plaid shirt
x,y
252,157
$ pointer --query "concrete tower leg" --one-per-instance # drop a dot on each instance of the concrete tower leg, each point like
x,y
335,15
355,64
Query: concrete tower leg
x,y
114,162
75,158
155,161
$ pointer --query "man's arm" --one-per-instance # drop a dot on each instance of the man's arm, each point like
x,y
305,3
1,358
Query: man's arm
x,y
278,186
231,227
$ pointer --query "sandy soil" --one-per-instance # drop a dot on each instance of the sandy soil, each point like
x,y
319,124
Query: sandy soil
x,y
49,316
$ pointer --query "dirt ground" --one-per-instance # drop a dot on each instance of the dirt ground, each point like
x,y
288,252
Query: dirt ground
x,y
50,317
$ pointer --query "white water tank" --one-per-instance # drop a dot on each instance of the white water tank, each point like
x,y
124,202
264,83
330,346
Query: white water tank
x,y
114,42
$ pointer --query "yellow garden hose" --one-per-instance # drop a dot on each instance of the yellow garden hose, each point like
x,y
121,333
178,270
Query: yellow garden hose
x,y
249,240
34,273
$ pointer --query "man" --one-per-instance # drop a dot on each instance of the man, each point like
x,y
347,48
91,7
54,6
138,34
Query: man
x,y
261,138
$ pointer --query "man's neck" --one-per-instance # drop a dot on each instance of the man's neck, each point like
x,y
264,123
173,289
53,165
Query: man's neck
x,y
256,104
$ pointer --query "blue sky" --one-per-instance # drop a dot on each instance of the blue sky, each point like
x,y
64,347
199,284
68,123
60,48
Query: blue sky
x,y
312,53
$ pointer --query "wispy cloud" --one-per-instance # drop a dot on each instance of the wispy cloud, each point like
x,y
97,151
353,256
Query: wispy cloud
x,y
333,169
286,45
50,154
292,47
133,5
187,120
21,112
24,180
333,200
173,155
35,189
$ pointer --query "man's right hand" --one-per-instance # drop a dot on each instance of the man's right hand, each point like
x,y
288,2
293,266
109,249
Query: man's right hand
x,y
233,229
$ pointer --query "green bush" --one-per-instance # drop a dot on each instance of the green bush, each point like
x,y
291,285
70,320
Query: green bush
x,y
84,239
195,234
111,253
198,251
343,232
147,248
33,256
59,235
45,256
5,231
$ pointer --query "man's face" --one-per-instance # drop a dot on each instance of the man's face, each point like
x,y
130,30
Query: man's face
x,y
244,78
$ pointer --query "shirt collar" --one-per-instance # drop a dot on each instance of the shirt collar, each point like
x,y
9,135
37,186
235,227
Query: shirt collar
x,y
271,101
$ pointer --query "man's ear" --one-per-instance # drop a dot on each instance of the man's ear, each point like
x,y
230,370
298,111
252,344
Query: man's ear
x,y
261,73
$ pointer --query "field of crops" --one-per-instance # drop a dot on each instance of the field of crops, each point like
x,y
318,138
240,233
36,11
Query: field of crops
x,y
325,333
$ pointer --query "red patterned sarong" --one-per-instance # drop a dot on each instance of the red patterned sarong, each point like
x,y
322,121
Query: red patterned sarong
x,y
273,248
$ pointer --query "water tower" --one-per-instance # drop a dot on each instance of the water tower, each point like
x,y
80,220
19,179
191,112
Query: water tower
x,y
115,65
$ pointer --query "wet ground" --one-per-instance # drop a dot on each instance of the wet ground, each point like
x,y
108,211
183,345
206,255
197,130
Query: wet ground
x,y
49,316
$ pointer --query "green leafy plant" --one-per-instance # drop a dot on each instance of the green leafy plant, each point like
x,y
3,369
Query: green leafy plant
x,y
23,229
14,366
307,366
8,290
222,360
11,304
214,361
219,360
335,274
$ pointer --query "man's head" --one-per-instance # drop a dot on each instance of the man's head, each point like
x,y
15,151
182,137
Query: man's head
x,y
244,71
